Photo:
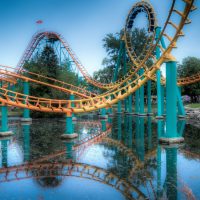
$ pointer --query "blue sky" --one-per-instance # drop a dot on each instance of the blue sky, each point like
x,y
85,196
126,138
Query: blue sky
x,y
83,23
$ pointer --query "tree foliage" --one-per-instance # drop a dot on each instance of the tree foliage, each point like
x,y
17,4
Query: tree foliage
x,y
46,64
111,43
189,67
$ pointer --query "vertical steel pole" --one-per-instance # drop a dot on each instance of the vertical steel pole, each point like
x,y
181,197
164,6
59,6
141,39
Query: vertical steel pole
x,y
26,114
149,109
171,135
158,77
137,103
141,95
181,109
171,98
130,103
69,125
4,118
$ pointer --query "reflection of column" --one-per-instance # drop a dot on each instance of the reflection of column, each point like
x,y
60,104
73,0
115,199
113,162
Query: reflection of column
x,y
130,132
69,150
171,173
140,137
119,127
160,131
126,121
4,150
149,122
26,133
159,168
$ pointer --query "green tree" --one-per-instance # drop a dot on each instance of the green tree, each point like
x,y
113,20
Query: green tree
x,y
189,67
46,64
111,43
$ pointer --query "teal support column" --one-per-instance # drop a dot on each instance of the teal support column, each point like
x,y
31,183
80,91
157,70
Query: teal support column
x,y
4,118
130,104
69,125
141,91
171,105
103,114
149,107
137,103
171,123
158,77
181,109
181,127
26,114
72,104
119,107
162,99
26,133
69,129
171,173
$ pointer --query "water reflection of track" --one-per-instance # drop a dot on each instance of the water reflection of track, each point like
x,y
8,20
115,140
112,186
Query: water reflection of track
x,y
85,171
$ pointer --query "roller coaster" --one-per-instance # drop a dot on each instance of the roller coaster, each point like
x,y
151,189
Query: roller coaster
x,y
158,50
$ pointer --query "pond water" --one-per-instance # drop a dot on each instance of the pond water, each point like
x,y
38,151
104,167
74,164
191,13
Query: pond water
x,y
111,160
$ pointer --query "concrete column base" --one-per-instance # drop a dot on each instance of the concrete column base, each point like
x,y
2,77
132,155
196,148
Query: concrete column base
x,y
74,118
69,136
26,123
26,119
142,114
119,112
103,116
130,113
171,140
160,117
6,133
182,116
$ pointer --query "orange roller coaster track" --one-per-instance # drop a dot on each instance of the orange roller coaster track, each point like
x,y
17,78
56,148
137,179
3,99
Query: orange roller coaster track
x,y
120,89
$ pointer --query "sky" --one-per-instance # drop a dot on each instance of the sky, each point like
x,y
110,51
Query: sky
x,y
83,23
